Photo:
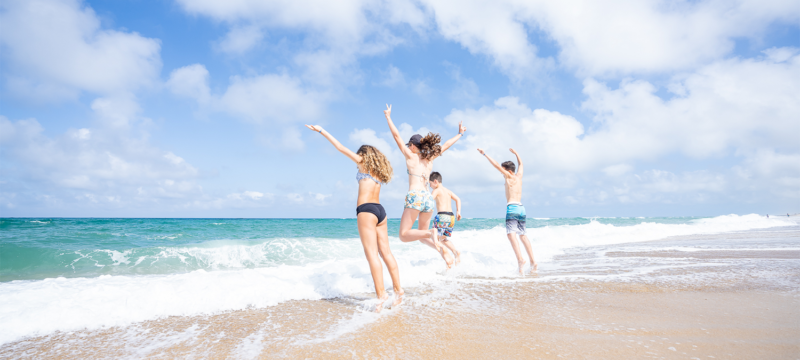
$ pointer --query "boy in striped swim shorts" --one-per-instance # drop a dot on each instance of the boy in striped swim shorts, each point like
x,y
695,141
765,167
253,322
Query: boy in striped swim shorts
x,y
445,220
515,212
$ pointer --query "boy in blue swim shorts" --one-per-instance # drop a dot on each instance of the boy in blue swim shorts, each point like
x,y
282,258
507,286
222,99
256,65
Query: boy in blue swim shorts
x,y
515,212
445,220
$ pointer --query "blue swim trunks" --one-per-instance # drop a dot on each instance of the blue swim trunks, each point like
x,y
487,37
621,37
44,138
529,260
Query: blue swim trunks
x,y
515,219
444,223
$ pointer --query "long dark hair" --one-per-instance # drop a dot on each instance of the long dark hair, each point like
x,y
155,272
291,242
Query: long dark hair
x,y
429,146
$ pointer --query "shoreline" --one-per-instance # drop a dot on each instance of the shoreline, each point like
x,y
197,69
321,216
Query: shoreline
x,y
731,295
574,320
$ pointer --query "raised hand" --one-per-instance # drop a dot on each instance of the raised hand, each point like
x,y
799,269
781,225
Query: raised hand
x,y
316,128
513,151
388,111
461,128
481,151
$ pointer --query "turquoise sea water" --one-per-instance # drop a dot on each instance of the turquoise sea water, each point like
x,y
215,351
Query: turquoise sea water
x,y
38,248
59,274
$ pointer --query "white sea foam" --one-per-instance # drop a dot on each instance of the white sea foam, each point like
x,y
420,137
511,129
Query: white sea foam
x,y
29,308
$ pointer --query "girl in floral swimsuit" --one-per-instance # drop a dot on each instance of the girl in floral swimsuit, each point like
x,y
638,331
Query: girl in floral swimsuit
x,y
420,153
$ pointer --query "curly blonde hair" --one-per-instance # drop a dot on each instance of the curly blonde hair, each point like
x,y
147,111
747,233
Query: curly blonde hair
x,y
429,146
375,163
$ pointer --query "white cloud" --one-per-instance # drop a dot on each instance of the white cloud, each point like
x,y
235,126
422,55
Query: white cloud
x,y
593,38
769,171
264,99
190,81
89,161
617,170
241,39
723,105
278,98
491,28
116,111
54,50
607,38
106,165
659,181
334,33
465,90
393,77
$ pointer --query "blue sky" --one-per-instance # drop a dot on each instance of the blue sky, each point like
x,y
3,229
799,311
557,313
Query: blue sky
x,y
195,108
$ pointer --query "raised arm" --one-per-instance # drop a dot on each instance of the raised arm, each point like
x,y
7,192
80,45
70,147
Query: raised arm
x,y
347,152
458,205
519,161
396,134
495,164
451,142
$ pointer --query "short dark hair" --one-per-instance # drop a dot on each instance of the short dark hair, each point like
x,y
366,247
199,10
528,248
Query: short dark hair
x,y
509,165
435,176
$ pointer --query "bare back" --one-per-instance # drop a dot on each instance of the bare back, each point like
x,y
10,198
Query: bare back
x,y
369,191
443,198
513,187
418,171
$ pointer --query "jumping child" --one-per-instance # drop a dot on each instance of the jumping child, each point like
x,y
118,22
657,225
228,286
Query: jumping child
x,y
515,212
445,220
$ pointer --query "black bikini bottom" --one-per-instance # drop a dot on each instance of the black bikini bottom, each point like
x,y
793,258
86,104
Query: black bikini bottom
x,y
373,208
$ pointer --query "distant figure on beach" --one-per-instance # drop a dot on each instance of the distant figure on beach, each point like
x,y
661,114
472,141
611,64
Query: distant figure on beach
x,y
515,212
420,153
373,170
445,220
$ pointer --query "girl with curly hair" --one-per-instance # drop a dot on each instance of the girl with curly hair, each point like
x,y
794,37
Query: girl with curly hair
x,y
373,171
420,153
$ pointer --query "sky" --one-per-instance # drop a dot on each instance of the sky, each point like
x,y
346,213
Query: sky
x,y
195,108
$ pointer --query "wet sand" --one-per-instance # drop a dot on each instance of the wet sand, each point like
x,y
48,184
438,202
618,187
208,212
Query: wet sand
x,y
743,317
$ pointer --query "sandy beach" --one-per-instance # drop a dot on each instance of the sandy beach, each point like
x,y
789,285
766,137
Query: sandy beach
x,y
738,301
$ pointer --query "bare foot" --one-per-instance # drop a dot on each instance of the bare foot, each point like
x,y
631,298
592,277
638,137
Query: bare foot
x,y
381,300
535,266
398,298
447,258
458,257
521,266
435,239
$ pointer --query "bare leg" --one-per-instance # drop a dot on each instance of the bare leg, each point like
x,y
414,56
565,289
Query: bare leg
x,y
424,223
391,263
512,237
445,255
367,223
452,248
442,251
407,234
529,250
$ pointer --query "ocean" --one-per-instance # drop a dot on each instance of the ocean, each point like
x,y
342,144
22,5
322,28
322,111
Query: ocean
x,y
62,275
